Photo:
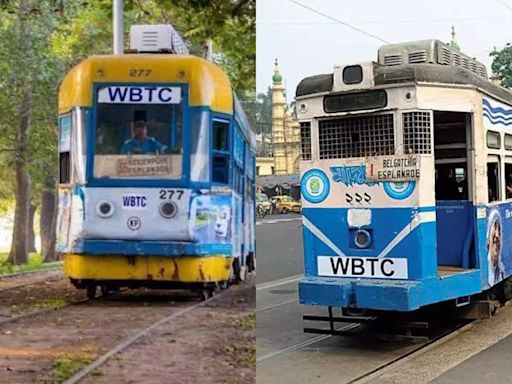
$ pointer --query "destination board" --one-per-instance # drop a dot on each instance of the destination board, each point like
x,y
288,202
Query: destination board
x,y
393,168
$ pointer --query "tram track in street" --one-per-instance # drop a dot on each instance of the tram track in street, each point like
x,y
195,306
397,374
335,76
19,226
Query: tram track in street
x,y
423,348
126,343
57,275
110,326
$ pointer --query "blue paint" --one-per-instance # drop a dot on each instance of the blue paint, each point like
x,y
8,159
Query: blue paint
x,y
386,294
454,225
496,115
351,175
419,247
399,190
150,248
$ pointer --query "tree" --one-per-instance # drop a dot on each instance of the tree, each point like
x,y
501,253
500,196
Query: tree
x,y
502,65
27,106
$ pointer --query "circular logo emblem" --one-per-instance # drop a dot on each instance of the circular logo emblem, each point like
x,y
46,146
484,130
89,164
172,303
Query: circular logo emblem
x,y
134,223
315,186
400,190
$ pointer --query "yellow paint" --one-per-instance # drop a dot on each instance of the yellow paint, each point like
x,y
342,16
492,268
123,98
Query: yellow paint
x,y
187,269
208,85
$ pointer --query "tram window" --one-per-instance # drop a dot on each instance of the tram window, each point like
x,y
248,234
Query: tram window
x,y
493,140
508,180
220,152
143,130
451,182
352,74
493,181
508,141
64,168
220,135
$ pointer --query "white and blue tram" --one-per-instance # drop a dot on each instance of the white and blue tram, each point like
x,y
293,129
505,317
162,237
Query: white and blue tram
x,y
157,167
406,181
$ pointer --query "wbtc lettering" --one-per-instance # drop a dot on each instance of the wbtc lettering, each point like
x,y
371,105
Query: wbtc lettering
x,y
140,95
356,267
134,201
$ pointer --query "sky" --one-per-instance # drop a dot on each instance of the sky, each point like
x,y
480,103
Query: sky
x,y
306,43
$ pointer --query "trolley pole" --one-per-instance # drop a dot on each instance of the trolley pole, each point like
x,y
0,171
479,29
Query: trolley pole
x,y
117,11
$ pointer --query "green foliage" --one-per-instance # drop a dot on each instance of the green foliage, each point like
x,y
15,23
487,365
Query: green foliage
x,y
502,66
67,364
35,263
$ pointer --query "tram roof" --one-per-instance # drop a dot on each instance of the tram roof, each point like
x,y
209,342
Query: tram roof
x,y
410,73
208,84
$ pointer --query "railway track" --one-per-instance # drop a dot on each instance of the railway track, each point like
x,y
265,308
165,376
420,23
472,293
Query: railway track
x,y
395,363
126,343
9,280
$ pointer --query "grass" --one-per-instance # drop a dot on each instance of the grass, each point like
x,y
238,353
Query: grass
x,y
243,354
65,365
246,322
35,263
44,304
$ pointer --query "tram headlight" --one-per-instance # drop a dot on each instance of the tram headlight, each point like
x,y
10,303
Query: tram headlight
x,y
362,238
168,209
105,209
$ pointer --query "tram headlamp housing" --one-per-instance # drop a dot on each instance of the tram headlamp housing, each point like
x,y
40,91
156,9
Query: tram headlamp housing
x,y
168,209
105,209
362,239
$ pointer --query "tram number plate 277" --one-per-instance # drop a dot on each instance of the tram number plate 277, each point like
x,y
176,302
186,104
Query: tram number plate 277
x,y
171,194
369,267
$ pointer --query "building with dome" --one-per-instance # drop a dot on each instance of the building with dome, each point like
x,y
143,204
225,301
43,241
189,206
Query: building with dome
x,y
285,156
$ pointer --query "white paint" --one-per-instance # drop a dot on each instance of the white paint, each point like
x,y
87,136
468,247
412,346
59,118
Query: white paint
x,y
368,267
357,218
139,95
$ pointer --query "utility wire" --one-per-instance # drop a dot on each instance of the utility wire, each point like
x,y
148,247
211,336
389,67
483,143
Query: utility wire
x,y
339,21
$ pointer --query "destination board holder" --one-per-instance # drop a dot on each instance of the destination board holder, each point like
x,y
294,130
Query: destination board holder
x,y
396,168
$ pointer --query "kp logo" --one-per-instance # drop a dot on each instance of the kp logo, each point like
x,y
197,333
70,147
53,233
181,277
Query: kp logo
x,y
134,223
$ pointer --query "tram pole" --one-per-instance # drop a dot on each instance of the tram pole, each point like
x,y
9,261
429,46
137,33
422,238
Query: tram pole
x,y
117,19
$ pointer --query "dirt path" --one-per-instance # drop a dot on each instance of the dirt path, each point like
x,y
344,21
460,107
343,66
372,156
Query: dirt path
x,y
214,344
49,348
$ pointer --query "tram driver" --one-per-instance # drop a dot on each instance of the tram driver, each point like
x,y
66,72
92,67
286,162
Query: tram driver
x,y
141,143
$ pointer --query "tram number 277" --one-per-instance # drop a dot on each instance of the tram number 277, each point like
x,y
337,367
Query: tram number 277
x,y
169,194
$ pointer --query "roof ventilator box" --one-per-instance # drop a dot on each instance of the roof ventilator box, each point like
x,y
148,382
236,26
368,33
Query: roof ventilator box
x,y
160,38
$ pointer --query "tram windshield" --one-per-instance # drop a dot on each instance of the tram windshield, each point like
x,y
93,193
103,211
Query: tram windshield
x,y
138,140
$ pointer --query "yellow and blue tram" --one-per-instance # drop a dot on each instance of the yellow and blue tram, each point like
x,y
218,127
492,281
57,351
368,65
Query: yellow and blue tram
x,y
406,182
157,167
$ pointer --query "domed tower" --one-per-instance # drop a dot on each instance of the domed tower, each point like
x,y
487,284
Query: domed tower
x,y
278,122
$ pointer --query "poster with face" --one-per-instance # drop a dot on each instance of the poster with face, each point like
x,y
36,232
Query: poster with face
x,y
211,218
495,249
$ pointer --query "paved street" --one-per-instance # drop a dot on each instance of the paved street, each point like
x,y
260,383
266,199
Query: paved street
x,y
284,353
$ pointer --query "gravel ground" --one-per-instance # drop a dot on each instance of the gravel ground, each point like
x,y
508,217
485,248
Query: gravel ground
x,y
214,344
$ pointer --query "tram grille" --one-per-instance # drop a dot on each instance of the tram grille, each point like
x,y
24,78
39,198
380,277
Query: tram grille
x,y
358,136
417,136
305,140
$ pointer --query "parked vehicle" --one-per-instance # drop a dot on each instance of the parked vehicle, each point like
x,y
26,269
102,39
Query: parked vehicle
x,y
263,206
285,204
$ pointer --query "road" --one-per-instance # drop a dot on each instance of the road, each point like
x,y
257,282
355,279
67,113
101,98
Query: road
x,y
286,355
